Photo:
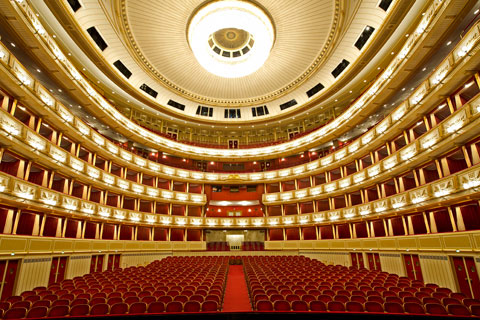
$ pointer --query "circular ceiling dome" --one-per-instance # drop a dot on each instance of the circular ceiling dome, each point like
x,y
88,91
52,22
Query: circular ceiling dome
x,y
231,38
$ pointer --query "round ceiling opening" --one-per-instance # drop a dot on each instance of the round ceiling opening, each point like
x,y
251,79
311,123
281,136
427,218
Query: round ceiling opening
x,y
231,38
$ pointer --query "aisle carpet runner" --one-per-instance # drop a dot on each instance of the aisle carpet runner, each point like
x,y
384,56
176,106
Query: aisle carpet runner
x,y
236,294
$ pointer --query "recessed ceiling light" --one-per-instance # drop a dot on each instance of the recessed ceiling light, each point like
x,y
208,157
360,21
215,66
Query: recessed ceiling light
x,y
449,43
38,70
476,11
403,89
424,69
12,44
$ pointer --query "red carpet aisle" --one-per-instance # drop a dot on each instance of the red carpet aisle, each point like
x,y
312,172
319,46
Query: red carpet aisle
x,y
236,294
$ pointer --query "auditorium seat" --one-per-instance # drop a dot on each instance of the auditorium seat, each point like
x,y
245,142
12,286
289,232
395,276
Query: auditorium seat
x,y
209,306
37,312
264,305
80,310
299,305
393,307
281,305
137,308
435,309
354,306
118,308
191,306
99,309
15,313
458,310
174,306
318,305
373,306
156,307
336,306
58,311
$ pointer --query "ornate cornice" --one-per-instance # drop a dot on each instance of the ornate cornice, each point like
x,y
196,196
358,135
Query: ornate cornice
x,y
143,62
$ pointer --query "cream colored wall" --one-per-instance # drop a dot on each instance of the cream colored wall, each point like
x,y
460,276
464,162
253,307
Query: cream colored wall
x,y
392,262
141,258
330,258
438,269
33,272
78,265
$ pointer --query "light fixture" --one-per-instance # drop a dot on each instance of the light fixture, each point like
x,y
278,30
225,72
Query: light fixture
x,y
231,38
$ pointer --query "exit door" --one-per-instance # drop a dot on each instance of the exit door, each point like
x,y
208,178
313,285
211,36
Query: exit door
x,y
57,270
96,264
467,276
357,260
373,261
412,266
8,275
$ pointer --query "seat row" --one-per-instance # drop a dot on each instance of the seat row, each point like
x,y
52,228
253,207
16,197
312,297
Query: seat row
x,y
369,306
106,309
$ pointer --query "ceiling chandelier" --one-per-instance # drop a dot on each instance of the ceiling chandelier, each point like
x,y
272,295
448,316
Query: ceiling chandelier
x,y
231,38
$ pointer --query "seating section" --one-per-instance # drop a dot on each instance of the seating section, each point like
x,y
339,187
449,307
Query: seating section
x,y
174,284
298,283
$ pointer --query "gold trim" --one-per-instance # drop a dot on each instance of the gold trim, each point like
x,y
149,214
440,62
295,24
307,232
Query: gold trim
x,y
137,54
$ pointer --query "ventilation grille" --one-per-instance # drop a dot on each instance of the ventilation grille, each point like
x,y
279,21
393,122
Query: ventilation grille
x,y
339,69
315,90
121,67
149,90
288,104
177,105
93,32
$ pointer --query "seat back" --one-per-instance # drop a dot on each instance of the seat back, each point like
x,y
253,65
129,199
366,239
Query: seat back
x,y
80,310
281,305
264,305
192,306
58,311
354,306
118,308
318,305
435,308
137,308
373,306
37,312
174,306
15,313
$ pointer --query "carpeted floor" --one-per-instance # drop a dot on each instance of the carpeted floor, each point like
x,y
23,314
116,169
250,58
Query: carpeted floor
x,y
236,294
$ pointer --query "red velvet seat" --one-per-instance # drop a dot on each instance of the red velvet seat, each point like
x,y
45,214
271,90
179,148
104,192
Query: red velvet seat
x,y
181,298
458,310
281,305
435,308
174,306
336,306
470,302
32,298
414,307
99,309
275,297
156,307
354,306
264,305
137,308
118,308
341,298
13,299
61,302
377,299
393,307
299,305
15,313
21,304
475,309
318,305
324,298
58,311
192,306
448,301
165,299
80,310
37,312
373,306
131,300
209,306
